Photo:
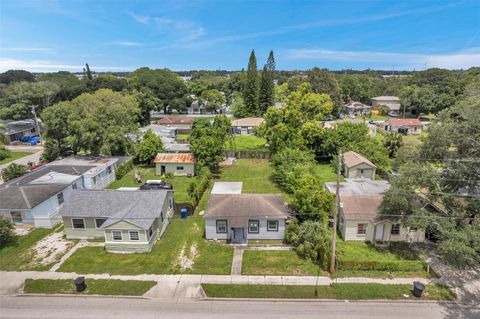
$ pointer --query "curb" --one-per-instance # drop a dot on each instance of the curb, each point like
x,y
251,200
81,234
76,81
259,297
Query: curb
x,y
27,295
336,300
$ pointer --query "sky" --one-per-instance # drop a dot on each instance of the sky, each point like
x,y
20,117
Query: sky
x,y
47,35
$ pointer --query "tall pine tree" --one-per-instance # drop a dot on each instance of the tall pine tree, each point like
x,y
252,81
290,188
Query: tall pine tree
x,y
267,86
88,72
250,91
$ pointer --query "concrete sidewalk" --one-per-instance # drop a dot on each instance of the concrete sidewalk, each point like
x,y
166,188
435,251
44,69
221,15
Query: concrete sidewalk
x,y
186,286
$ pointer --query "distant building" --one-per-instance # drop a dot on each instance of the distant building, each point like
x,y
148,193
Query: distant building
x,y
404,126
183,123
391,102
357,108
246,126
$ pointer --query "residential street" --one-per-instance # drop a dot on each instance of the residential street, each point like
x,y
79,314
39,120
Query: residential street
x,y
78,307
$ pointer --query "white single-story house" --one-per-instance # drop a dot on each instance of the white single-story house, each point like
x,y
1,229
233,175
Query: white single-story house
x,y
34,199
355,165
129,221
246,126
357,108
178,164
359,220
237,218
404,126
359,186
391,102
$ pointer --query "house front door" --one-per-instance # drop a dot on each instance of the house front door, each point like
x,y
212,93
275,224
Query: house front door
x,y
238,235
162,170
379,232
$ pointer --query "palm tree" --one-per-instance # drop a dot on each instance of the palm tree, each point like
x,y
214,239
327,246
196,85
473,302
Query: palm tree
x,y
393,141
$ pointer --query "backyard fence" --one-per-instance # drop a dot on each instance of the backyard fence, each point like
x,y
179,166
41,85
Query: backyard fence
x,y
248,154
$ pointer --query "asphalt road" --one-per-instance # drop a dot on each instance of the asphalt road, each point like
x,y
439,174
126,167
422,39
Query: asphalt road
x,y
88,307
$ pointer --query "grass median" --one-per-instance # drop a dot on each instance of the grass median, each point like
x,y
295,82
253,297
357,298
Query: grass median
x,y
345,291
94,287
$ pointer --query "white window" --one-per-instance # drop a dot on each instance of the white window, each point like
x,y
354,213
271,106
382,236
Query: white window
x,y
272,225
253,226
99,222
361,229
60,198
179,168
117,235
16,217
134,235
221,226
395,229
78,223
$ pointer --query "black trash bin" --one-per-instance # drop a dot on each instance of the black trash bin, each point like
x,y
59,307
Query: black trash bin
x,y
80,284
418,289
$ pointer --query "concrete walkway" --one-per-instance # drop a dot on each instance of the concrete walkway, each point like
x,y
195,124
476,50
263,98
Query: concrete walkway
x,y
237,260
186,286
80,244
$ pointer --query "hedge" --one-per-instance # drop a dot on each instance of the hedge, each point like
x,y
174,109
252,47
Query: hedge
x,y
406,266
124,169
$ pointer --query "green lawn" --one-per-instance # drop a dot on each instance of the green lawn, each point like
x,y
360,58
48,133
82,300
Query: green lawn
x,y
277,263
246,143
210,258
377,117
412,139
180,183
326,173
337,291
182,136
13,156
94,287
255,175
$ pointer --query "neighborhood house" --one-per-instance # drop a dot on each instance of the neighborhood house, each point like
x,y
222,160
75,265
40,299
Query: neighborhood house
x,y
404,126
246,126
391,102
238,218
355,165
128,221
183,123
15,131
357,108
178,164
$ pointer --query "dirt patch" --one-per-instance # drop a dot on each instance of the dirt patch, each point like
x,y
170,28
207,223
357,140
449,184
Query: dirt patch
x,y
50,249
186,260
22,231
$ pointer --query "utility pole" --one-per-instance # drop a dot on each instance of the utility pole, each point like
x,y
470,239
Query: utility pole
x,y
335,214
36,120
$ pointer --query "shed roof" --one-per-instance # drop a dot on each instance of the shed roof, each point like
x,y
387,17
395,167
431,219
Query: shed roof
x,y
239,208
360,207
248,121
404,122
174,158
137,207
351,159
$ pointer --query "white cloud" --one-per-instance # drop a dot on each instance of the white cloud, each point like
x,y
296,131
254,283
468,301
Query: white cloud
x,y
376,59
125,43
47,66
139,18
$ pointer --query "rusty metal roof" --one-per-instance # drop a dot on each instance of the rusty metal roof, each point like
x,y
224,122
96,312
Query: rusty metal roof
x,y
174,158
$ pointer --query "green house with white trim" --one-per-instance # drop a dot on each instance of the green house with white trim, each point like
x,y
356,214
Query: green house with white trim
x,y
129,221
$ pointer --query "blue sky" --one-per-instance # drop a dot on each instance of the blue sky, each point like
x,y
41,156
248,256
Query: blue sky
x,y
182,35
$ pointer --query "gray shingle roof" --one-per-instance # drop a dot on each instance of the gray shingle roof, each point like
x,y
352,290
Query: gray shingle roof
x,y
239,208
137,207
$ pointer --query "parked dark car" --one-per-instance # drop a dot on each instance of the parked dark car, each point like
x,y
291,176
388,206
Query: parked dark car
x,y
156,184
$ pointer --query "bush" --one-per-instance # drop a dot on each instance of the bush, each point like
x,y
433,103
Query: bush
x,y
7,231
123,169
13,171
199,184
405,266
311,239
4,152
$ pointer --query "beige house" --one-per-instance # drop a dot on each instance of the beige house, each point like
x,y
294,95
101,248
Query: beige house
x,y
355,165
178,164
404,126
128,221
358,220
391,102
246,126
182,123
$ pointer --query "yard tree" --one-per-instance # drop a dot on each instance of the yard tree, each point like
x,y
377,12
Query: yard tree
x,y
207,142
147,101
289,164
56,129
107,81
7,231
13,171
87,71
10,76
267,86
310,201
148,148
251,87
323,81
393,141
212,99
69,85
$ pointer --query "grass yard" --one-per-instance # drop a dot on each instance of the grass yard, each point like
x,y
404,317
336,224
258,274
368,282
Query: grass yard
x,y
183,238
255,175
277,263
345,291
94,287
180,183
246,143
182,136
19,255
326,173
412,139
377,117
13,156
365,260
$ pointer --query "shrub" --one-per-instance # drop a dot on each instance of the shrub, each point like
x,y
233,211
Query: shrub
x,y
7,231
199,184
4,152
124,169
13,171
371,265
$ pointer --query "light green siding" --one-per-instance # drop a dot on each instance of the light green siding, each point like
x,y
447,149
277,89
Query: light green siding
x,y
90,231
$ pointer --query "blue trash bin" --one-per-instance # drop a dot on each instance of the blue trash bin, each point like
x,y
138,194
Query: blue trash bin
x,y
183,213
